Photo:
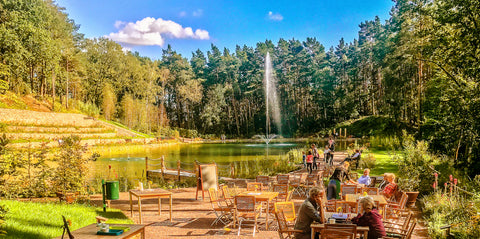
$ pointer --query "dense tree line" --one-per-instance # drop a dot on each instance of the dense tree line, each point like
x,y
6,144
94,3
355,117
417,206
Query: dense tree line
x,y
420,67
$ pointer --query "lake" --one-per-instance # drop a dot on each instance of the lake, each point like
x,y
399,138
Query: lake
x,y
130,160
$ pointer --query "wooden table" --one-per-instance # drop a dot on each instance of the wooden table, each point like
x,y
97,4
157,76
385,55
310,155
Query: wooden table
x,y
90,232
262,197
317,227
150,193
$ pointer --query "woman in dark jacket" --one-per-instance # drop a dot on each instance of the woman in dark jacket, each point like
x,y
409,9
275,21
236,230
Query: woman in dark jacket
x,y
370,218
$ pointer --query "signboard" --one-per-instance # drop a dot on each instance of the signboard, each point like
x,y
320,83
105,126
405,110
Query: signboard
x,y
207,178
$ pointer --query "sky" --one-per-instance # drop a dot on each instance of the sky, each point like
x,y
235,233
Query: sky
x,y
147,26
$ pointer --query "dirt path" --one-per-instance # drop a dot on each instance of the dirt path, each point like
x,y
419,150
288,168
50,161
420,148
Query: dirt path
x,y
192,218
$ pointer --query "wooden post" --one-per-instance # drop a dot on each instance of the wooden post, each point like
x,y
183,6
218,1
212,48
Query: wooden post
x,y
163,166
146,165
345,132
178,167
340,134
232,170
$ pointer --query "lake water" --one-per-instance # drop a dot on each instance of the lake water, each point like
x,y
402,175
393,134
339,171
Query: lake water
x,y
130,162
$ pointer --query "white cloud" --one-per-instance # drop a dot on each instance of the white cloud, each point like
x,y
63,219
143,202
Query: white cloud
x,y
182,14
198,13
150,31
119,24
275,16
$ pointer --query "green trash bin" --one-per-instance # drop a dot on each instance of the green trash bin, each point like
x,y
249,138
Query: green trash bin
x,y
112,190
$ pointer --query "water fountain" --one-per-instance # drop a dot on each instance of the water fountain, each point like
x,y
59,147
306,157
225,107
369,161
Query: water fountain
x,y
272,103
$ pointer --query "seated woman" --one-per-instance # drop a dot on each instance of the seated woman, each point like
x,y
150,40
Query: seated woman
x,y
391,187
370,218
339,175
365,178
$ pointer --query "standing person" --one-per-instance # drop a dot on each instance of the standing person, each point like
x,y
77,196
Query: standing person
x,y
304,159
315,156
309,161
328,156
311,210
370,218
331,144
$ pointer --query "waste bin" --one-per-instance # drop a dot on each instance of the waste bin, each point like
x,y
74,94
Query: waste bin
x,y
112,190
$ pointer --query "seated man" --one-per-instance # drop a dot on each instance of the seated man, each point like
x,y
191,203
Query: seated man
x,y
354,157
365,178
311,210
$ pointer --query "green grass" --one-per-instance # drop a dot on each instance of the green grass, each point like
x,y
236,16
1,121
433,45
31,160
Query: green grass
x,y
44,220
384,163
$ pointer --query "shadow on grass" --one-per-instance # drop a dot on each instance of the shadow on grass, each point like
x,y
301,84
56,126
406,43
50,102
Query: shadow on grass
x,y
111,215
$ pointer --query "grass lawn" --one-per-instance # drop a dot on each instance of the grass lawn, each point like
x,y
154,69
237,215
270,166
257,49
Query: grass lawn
x,y
384,163
44,220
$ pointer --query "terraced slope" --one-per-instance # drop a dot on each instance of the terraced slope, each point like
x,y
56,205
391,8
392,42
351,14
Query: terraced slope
x,y
25,127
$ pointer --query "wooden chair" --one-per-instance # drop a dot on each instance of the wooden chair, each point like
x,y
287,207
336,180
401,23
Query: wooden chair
x,y
394,210
403,234
297,183
283,227
311,181
334,233
347,189
247,210
223,212
373,182
283,178
228,196
254,187
265,180
283,192
394,227
370,190
288,210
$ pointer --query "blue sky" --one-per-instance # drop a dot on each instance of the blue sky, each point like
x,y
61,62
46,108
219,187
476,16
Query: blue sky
x,y
147,26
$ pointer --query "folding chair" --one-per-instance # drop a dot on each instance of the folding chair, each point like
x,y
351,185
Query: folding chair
x,y
283,178
265,180
247,210
223,212
403,234
288,210
349,228
297,184
347,189
283,227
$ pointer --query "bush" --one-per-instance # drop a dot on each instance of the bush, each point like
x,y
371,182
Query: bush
x,y
416,166
367,161
441,209
3,213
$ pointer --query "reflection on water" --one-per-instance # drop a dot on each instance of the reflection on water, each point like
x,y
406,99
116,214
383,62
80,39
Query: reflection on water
x,y
125,161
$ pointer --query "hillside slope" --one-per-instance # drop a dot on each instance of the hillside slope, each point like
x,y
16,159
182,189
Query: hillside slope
x,y
31,128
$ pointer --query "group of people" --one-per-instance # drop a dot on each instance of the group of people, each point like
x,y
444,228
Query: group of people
x,y
313,210
312,155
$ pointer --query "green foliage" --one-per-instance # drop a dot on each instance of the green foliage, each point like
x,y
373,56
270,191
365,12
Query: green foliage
x,y
3,213
70,174
416,166
45,219
375,126
88,108
462,211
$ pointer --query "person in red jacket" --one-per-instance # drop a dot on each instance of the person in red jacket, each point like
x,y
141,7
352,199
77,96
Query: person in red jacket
x,y
370,218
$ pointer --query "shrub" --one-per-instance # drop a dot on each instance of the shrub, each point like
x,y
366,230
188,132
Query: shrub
x,y
367,161
416,166
70,175
3,213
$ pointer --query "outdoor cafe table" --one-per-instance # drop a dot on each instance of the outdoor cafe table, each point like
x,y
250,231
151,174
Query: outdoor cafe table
x,y
317,227
90,232
150,193
262,197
